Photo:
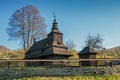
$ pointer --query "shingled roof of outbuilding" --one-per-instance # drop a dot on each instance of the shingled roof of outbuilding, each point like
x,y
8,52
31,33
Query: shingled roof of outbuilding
x,y
87,50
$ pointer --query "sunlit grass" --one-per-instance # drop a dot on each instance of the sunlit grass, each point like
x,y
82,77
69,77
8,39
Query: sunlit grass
x,y
112,77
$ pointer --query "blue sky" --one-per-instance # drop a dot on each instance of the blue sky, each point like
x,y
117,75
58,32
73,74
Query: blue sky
x,y
76,19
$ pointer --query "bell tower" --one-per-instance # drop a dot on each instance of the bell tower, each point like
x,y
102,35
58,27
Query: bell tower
x,y
55,37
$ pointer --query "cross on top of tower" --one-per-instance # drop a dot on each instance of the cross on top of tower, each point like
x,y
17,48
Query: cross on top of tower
x,y
55,26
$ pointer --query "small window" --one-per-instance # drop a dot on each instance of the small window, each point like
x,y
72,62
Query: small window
x,y
56,36
58,43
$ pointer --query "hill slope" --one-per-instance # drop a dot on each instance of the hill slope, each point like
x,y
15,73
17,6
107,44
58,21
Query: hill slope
x,y
115,52
4,48
110,53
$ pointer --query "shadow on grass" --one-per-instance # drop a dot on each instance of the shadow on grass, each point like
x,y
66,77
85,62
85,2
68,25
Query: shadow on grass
x,y
14,74
41,76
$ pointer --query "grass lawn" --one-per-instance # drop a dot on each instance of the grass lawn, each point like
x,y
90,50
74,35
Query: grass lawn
x,y
112,77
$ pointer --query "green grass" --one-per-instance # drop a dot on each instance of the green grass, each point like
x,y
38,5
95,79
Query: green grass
x,y
112,77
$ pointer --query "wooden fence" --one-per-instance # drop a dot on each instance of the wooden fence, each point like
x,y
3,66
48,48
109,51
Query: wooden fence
x,y
72,62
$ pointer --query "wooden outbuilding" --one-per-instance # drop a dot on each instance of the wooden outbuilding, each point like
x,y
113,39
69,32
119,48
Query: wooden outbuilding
x,y
87,53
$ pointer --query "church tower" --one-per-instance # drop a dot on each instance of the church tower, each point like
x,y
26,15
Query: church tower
x,y
55,37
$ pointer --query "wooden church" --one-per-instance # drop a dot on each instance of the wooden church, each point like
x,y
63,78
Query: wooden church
x,y
51,47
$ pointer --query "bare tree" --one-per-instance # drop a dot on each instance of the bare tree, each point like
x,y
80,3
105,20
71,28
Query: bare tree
x,y
26,24
70,44
94,42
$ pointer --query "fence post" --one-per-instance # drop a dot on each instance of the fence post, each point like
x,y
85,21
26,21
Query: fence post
x,y
8,64
26,64
62,63
111,65
96,63
79,63
45,63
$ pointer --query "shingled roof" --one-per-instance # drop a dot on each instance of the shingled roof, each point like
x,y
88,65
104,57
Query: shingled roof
x,y
39,49
87,50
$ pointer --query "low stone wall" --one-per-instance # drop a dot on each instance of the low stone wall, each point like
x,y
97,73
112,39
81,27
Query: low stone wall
x,y
56,71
